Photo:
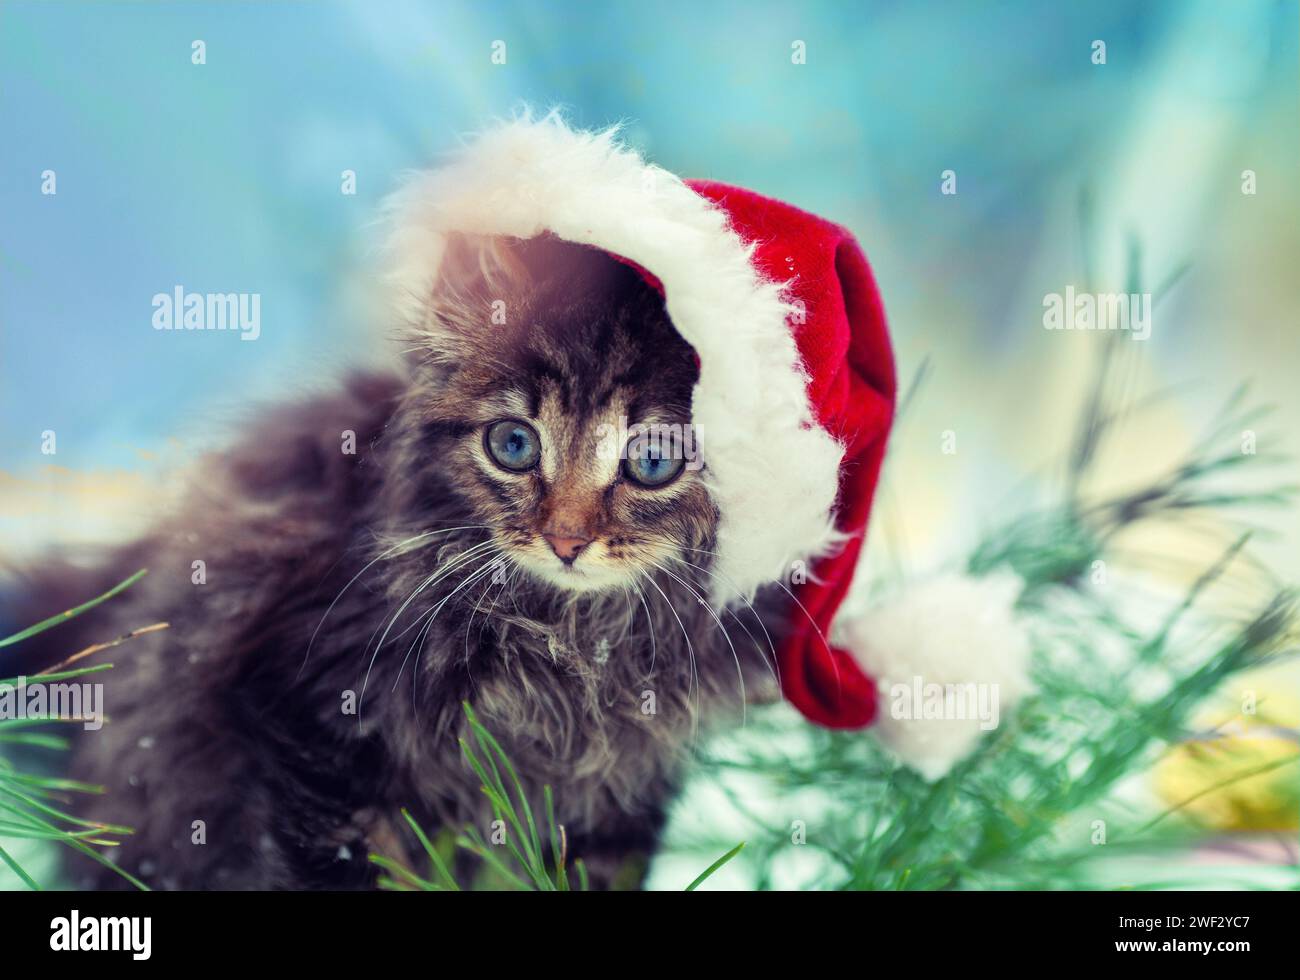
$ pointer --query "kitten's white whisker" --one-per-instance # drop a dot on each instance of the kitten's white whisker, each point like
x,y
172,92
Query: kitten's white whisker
x,y
690,649
462,557
505,584
740,671
459,562
496,562
773,666
365,568
650,623
423,636
782,586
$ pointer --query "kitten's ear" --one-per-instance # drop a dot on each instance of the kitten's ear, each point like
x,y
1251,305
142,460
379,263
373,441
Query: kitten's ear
x,y
481,265
479,279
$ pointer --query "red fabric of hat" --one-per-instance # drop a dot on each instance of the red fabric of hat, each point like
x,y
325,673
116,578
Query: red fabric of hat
x,y
841,333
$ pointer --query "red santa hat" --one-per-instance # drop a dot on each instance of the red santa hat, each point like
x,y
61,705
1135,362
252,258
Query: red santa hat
x,y
796,389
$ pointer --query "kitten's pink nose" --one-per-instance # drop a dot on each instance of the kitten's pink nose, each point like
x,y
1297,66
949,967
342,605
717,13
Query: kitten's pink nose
x,y
566,549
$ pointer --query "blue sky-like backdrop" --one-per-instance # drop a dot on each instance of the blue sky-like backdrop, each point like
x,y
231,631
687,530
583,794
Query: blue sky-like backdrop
x,y
225,177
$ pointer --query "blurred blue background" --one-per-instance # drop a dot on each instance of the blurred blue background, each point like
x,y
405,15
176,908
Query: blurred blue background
x,y
225,176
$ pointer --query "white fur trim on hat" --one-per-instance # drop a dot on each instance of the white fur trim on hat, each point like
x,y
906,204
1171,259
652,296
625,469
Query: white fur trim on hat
x,y
772,471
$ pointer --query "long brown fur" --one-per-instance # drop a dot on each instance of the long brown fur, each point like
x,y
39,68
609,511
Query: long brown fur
x,y
409,577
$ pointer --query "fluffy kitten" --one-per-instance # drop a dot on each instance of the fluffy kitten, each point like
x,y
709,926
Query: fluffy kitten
x,y
483,544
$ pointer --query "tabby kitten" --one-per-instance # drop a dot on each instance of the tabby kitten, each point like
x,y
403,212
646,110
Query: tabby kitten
x,y
483,544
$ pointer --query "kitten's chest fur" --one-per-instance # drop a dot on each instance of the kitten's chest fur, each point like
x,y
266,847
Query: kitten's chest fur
x,y
602,699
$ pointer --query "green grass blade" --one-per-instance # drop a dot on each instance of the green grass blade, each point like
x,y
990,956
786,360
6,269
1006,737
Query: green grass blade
x,y
707,872
63,617
434,857
17,869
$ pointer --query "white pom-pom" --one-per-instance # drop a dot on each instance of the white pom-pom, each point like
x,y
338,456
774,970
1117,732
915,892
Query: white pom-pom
x,y
950,657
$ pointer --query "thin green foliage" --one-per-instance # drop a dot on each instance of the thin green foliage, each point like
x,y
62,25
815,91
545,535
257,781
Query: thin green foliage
x,y
522,861
63,617
1022,810
31,803
708,872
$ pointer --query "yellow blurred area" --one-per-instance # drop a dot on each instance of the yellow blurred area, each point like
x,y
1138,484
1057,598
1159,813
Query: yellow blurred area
x,y
1246,776
56,507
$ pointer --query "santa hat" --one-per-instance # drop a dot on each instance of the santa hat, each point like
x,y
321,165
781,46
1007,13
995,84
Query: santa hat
x,y
796,388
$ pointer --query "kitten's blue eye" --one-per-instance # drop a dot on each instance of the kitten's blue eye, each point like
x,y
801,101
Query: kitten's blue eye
x,y
645,465
513,445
